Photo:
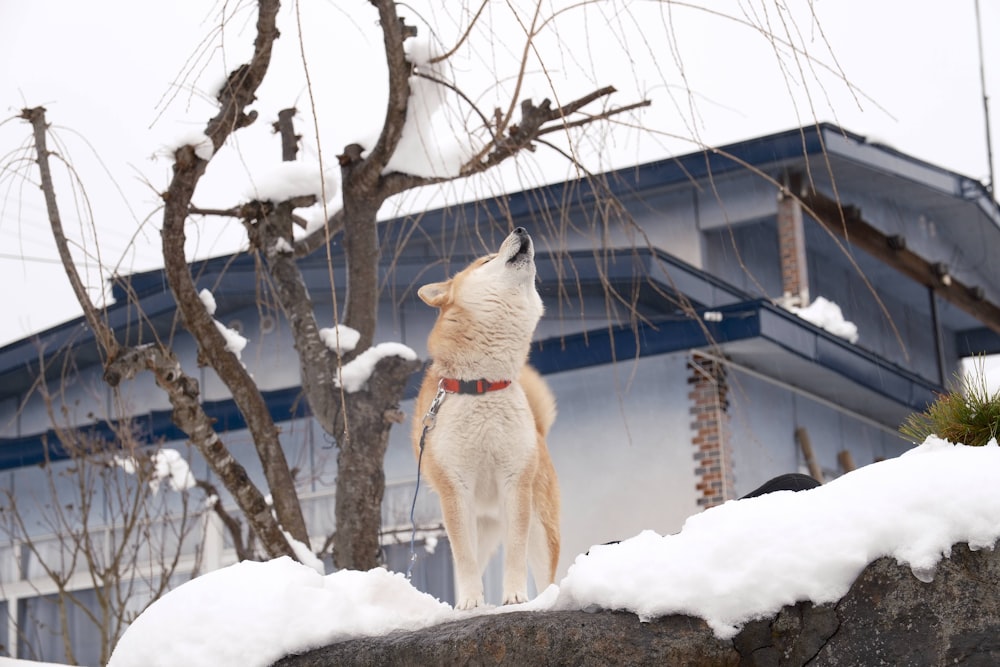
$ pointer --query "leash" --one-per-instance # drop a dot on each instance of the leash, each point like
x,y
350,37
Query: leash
x,y
445,386
430,419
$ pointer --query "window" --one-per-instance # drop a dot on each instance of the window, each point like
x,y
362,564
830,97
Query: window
x,y
432,572
41,634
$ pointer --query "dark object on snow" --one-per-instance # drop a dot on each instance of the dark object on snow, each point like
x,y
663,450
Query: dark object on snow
x,y
793,481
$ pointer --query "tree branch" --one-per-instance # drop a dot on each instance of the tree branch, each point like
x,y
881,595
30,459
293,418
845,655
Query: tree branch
x,y
536,121
286,129
394,32
125,363
102,331
189,415
239,90
232,524
568,125
310,243
317,363
236,94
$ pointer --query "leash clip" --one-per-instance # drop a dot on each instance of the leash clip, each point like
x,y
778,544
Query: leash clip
x,y
430,419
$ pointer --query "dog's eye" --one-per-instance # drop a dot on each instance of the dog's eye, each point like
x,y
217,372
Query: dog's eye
x,y
487,259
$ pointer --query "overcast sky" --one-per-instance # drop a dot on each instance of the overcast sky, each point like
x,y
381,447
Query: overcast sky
x,y
121,78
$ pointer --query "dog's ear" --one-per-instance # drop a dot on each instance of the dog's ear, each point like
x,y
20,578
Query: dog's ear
x,y
434,294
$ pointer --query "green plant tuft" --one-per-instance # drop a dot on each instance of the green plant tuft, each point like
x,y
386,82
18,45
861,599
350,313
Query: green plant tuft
x,y
968,414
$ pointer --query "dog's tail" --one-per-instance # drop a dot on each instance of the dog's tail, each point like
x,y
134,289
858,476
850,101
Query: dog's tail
x,y
540,398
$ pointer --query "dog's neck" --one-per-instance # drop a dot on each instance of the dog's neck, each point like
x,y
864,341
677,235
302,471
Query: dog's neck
x,y
473,365
481,386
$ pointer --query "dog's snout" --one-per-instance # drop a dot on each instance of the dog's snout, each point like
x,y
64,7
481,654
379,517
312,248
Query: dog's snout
x,y
518,248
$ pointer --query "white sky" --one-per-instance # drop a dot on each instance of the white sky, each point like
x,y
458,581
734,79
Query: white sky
x,y
120,79
728,565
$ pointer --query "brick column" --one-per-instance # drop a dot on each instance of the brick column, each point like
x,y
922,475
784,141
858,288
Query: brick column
x,y
709,410
792,248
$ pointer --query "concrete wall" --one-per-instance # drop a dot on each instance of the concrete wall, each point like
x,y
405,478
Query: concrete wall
x,y
763,419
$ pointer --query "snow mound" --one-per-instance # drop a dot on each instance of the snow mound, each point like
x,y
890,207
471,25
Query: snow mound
x,y
729,565
828,316
746,559
255,613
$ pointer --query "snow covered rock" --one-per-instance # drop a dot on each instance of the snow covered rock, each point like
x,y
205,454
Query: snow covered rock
x,y
888,617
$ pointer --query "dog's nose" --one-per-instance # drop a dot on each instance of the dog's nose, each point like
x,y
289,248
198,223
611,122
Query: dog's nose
x,y
521,231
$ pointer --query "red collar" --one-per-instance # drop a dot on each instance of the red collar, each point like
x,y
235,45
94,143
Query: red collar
x,y
453,386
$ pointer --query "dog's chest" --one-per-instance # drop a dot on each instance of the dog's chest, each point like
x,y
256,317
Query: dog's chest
x,y
488,432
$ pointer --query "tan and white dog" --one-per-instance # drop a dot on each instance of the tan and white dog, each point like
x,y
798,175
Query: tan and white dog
x,y
485,417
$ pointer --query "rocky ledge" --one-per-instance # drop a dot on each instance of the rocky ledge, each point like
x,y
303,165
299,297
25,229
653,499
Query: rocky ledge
x,y
888,617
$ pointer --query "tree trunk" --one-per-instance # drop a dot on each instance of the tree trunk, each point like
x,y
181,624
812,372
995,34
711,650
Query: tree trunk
x,y
360,421
361,246
362,439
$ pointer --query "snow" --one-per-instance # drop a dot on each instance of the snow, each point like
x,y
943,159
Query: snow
x,y
285,180
168,466
435,141
254,613
208,300
353,376
203,146
827,315
235,342
728,565
746,559
283,247
305,554
171,467
340,339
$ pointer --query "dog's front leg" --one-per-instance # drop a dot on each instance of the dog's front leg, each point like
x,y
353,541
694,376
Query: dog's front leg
x,y
460,524
518,519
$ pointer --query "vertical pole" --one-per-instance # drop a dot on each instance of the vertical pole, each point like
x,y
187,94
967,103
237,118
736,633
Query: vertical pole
x,y
991,186
802,437
938,342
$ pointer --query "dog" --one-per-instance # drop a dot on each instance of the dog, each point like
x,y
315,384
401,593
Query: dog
x,y
486,413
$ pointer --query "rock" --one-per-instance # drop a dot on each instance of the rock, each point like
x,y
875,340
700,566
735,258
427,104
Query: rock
x,y
534,638
888,617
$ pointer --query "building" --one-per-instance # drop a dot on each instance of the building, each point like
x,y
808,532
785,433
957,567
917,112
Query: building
x,y
688,383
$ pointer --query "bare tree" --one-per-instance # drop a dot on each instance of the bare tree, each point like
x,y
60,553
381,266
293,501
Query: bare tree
x,y
101,538
358,421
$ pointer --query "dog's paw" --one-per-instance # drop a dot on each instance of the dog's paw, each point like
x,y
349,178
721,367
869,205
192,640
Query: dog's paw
x,y
516,597
470,603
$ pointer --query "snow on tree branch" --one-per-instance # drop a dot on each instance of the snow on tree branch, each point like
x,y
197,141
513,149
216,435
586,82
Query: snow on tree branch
x,y
290,180
167,466
355,374
235,342
341,339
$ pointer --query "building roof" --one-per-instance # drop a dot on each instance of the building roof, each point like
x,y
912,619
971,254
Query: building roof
x,y
753,333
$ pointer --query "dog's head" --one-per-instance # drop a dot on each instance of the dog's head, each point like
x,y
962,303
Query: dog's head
x,y
490,307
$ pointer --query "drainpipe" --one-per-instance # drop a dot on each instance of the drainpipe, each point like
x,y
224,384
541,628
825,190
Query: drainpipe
x,y
986,106
938,342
